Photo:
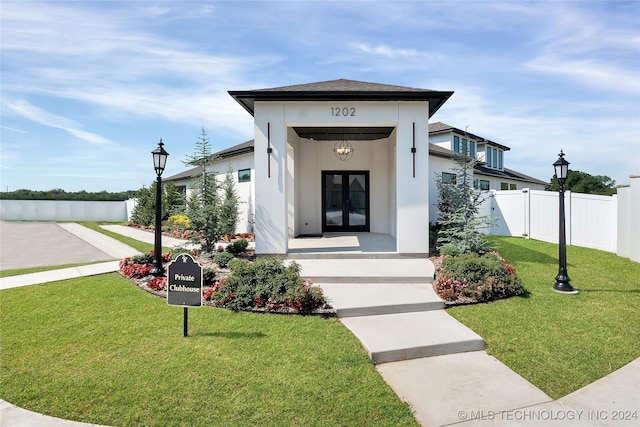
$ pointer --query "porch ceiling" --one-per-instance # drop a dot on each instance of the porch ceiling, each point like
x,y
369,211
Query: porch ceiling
x,y
348,133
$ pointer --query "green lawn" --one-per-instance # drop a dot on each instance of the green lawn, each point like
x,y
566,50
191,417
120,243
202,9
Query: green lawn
x,y
100,350
558,342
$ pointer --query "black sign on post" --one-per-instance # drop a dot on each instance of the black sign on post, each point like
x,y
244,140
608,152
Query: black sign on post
x,y
185,284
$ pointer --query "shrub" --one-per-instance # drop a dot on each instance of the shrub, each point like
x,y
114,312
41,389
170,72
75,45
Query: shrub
x,y
267,283
473,278
450,250
208,276
180,222
237,247
142,259
222,259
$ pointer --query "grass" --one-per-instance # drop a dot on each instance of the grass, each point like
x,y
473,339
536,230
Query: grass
x,y
143,247
100,350
561,343
19,271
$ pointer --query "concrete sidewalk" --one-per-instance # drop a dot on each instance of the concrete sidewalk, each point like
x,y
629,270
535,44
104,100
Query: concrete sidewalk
x,y
400,323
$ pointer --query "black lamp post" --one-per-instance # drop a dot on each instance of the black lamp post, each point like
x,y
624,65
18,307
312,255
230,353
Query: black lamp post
x,y
159,161
562,284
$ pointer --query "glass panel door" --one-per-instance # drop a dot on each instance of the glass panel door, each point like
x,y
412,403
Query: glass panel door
x,y
333,200
345,201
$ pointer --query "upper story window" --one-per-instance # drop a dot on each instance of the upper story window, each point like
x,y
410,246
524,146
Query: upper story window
x,y
494,158
464,146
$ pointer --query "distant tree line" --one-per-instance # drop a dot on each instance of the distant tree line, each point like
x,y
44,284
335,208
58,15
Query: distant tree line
x,y
582,182
60,194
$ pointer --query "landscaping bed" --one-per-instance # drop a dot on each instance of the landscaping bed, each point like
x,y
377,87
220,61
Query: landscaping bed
x,y
238,282
472,278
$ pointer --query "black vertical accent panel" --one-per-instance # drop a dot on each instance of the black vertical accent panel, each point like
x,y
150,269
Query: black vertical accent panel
x,y
269,150
413,149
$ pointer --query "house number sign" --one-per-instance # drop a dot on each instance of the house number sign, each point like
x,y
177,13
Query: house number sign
x,y
343,111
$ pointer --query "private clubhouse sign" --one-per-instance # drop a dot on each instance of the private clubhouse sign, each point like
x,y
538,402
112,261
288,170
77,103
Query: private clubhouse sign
x,y
184,277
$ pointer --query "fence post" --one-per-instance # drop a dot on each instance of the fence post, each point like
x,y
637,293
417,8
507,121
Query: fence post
x,y
568,195
526,194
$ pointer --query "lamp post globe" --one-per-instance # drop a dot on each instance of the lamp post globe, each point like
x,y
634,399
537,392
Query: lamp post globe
x,y
159,162
562,284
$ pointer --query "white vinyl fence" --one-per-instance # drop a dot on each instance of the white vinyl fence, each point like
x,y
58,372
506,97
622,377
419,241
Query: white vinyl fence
x,y
65,210
608,223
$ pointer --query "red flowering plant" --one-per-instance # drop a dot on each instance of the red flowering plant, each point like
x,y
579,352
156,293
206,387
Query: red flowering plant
x,y
470,278
158,283
139,266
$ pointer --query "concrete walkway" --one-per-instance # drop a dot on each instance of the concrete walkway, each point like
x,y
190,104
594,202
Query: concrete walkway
x,y
430,360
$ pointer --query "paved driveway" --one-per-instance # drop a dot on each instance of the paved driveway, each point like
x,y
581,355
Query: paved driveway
x,y
39,244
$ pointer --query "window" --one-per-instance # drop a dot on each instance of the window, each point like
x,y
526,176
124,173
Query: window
x,y
484,184
473,149
494,158
456,144
504,186
244,175
475,184
465,147
513,187
448,178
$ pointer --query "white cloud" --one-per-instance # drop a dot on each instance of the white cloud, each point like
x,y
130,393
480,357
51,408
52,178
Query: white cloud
x,y
40,116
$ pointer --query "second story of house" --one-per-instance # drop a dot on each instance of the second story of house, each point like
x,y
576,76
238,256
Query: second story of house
x,y
491,172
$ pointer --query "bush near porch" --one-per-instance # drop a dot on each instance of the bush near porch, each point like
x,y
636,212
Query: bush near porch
x,y
238,282
472,278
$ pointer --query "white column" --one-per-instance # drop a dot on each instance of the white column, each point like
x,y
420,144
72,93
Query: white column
x,y
270,179
412,193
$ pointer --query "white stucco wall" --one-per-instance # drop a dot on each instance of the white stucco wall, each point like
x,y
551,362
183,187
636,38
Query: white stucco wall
x,y
437,165
443,140
289,202
244,190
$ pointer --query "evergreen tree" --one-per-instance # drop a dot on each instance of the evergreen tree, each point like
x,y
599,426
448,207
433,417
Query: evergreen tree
x,y
144,212
204,207
230,202
458,208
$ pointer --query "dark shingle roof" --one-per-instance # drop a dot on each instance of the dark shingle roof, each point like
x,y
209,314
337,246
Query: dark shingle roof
x,y
481,169
439,127
341,90
236,150
506,173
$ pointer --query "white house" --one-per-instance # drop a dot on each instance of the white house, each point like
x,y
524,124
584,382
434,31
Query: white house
x,y
349,156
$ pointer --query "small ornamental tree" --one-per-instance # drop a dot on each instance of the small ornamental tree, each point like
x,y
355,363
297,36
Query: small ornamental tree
x,y
211,206
458,208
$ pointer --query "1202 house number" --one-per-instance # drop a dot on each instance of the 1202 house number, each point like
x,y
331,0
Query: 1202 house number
x,y
343,111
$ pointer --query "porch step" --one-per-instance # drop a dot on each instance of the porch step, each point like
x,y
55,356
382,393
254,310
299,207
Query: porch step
x,y
356,299
341,270
403,336
329,254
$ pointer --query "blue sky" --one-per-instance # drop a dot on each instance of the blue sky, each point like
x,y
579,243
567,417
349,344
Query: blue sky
x,y
89,87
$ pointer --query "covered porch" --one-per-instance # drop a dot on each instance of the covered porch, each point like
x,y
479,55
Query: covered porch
x,y
343,245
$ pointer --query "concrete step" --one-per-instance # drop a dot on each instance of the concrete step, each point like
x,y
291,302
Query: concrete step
x,y
404,336
357,299
349,270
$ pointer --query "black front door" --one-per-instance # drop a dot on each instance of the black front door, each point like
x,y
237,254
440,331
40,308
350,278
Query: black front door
x,y
345,202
